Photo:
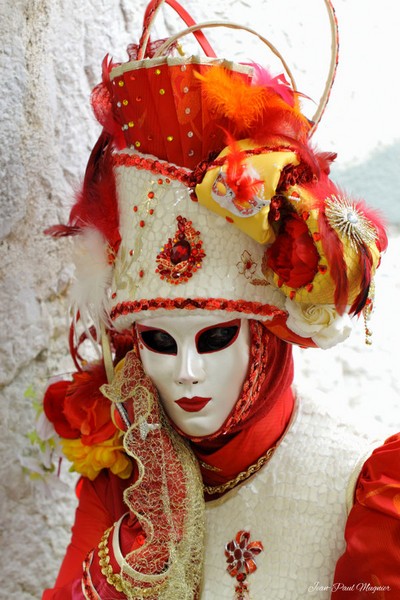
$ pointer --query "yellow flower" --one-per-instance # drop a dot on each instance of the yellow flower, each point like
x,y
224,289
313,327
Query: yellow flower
x,y
90,460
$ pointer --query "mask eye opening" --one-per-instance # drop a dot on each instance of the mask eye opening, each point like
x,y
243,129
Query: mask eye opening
x,y
157,340
218,337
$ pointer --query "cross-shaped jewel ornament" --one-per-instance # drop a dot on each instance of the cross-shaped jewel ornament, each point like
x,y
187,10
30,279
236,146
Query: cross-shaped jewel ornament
x,y
145,428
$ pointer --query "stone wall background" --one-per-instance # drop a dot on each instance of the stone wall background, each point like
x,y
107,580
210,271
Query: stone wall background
x,y
51,57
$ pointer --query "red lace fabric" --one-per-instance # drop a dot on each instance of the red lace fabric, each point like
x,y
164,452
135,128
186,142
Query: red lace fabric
x,y
370,566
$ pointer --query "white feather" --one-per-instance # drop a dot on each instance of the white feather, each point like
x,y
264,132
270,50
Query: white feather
x,y
93,275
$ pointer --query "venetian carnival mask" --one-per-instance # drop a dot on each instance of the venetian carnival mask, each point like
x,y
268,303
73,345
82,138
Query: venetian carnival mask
x,y
198,364
205,210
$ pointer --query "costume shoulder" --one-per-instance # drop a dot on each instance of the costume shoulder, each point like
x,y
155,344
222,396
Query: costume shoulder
x,y
371,560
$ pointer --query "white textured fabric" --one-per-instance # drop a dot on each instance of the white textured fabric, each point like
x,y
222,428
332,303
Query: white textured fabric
x,y
230,270
296,506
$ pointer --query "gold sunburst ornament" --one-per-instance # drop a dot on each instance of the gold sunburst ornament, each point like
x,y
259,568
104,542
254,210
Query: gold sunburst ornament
x,y
348,220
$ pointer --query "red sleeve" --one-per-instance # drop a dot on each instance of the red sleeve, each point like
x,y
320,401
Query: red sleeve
x,y
100,505
370,565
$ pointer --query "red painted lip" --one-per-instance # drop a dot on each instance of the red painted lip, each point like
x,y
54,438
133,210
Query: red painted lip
x,y
194,404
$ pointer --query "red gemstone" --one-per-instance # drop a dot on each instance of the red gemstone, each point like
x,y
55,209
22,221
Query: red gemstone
x,y
180,252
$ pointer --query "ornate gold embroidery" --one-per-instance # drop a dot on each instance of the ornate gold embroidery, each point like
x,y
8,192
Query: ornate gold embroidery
x,y
242,476
123,279
166,498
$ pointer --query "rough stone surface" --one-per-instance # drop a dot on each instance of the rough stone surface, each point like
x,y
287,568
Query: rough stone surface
x,y
51,57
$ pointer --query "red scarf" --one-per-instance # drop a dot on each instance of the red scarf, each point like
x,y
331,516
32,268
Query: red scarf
x,y
260,416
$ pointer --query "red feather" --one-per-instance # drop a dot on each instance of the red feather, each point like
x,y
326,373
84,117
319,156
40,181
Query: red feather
x,y
279,118
333,249
366,263
377,221
325,159
282,122
278,84
97,204
239,178
58,231
73,347
101,99
365,256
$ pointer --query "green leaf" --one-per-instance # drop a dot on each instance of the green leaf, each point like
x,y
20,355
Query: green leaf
x,y
30,392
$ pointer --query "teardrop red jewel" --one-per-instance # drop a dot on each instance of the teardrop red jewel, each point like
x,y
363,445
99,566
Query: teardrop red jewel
x,y
182,255
180,252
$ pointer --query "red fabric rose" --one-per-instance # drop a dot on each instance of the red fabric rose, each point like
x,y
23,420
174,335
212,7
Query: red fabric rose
x,y
53,405
86,408
293,256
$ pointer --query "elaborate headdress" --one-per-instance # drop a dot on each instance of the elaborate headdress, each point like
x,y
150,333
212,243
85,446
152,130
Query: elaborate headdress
x,y
204,193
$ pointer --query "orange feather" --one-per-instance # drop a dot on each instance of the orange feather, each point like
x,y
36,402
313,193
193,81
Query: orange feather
x,y
253,110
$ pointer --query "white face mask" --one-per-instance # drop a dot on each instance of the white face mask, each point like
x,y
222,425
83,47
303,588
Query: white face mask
x,y
198,364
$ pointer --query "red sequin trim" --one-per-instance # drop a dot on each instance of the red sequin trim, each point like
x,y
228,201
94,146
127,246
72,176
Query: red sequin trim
x,y
185,176
182,255
158,167
243,306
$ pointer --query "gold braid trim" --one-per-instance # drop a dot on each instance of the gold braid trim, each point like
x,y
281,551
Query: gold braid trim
x,y
224,487
104,562
115,579
209,467
243,475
